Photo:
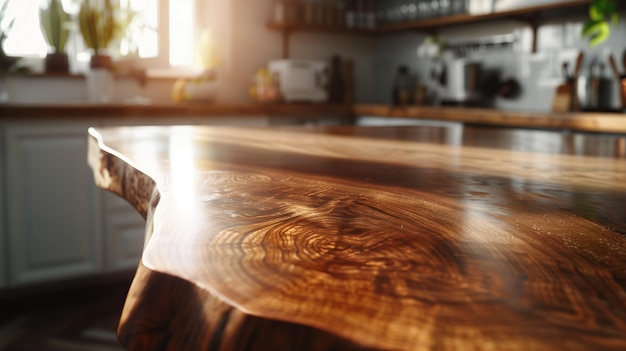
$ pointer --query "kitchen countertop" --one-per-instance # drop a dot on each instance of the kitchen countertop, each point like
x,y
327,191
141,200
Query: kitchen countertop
x,y
578,121
151,110
372,238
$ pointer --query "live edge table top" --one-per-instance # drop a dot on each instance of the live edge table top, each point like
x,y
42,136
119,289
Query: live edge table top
x,y
401,238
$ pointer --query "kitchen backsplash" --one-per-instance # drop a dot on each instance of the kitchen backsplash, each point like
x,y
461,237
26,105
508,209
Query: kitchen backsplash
x,y
537,73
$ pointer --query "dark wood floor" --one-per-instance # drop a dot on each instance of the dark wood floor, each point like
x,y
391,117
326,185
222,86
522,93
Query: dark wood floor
x,y
80,317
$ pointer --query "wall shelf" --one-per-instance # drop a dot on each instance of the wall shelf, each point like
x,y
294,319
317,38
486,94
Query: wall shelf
x,y
532,15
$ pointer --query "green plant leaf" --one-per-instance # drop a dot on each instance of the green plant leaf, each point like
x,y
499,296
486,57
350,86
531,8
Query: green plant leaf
x,y
602,14
53,19
597,32
595,14
588,28
607,7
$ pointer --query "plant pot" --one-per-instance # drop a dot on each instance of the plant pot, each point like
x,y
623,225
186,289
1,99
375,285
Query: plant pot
x,y
100,85
101,61
100,82
57,63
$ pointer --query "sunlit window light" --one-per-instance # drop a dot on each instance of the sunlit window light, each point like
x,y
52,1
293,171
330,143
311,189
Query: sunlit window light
x,y
25,37
141,36
26,40
181,17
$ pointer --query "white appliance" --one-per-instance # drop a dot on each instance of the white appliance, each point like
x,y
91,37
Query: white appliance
x,y
463,80
301,80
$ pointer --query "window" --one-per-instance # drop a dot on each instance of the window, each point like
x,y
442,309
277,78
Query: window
x,y
162,32
181,33
25,38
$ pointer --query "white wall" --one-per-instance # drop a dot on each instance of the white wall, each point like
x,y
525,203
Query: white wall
x,y
252,46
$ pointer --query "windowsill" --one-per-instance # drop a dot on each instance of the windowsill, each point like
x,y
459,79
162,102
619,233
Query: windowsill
x,y
173,73
161,74
48,75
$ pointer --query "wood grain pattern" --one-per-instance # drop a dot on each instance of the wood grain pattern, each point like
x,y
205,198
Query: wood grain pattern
x,y
415,238
577,121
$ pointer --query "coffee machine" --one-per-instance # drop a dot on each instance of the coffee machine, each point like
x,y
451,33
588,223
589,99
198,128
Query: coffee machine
x,y
463,82
465,78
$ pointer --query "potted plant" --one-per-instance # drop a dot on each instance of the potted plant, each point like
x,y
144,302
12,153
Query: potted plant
x,y
54,25
602,14
98,26
7,63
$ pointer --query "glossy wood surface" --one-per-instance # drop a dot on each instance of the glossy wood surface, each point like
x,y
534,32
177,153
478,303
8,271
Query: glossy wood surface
x,y
578,121
406,238
121,110
581,121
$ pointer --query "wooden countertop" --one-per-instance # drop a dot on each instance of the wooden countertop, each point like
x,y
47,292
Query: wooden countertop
x,y
589,122
581,121
70,110
344,238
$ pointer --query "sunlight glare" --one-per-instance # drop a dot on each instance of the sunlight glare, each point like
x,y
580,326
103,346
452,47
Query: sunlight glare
x,y
181,32
182,168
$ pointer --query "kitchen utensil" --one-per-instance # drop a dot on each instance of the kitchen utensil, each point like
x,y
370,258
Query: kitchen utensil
x,y
510,88
463,80
579,61
563,95
614,66
595,90
622,82
574,101
622,88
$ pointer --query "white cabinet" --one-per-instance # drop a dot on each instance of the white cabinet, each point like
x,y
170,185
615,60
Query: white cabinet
x,y
53,207
55,223
3,252
124,235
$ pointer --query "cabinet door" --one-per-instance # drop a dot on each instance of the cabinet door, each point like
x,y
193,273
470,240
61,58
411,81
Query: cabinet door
x,y
3,252
53,204
124,235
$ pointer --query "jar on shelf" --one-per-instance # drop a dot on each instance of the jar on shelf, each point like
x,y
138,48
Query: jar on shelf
x,y
340,13
330,19
351,14
458,7
279,11
308,12
319,12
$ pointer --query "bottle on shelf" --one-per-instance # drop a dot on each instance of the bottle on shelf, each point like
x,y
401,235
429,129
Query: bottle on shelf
x,y
340,13
278,12
336,84
329,14
348,82
291,11
308,12
350,13
458,7
402,87
360,15
370,14
319,12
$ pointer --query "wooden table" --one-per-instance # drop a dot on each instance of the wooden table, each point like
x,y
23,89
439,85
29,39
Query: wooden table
x,y
341,238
